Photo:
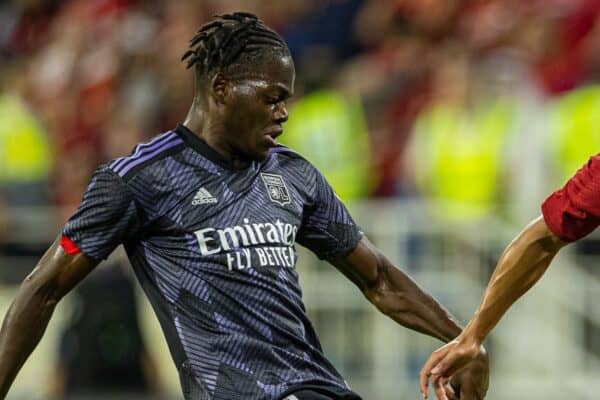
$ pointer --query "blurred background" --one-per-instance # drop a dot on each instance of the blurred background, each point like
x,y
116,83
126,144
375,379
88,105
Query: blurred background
x,y
443,124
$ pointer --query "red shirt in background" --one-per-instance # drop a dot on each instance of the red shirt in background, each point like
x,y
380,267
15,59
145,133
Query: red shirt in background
x,y
574,211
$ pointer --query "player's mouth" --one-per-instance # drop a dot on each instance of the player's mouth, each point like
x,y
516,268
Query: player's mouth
x,y
272,134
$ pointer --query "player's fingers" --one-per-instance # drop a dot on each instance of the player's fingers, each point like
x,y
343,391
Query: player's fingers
x,y
439,384
449,365
451,393
425,373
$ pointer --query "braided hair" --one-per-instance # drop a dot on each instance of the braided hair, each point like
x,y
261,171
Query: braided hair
x,y
233,43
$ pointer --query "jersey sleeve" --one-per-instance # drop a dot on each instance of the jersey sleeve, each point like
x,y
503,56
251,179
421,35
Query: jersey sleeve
x,y
574,211
327,228
106,217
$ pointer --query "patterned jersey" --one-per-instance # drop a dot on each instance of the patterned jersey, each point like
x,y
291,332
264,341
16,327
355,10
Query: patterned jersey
x,y
574,211
214,250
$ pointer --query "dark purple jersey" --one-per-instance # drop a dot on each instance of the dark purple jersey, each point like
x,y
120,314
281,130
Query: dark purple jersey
x,y
214,249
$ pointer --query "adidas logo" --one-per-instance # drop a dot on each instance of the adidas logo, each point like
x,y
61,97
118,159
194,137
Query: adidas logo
x,y
203,197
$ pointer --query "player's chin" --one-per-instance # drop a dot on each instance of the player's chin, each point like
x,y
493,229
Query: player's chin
x,y
258,154
262,152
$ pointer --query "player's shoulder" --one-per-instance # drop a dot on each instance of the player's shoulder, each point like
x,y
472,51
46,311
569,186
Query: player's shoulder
x,y
290,158
590,171
595,160
583,189
285,154
296,165
146,154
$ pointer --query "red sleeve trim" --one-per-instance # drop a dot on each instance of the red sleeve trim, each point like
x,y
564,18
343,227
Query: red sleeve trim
x,y
565,220
69,246
573,212
552,218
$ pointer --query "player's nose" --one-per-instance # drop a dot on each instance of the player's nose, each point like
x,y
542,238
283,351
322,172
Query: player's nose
x,y
281,113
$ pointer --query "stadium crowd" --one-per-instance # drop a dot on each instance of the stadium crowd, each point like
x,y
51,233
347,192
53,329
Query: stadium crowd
x,y
83,81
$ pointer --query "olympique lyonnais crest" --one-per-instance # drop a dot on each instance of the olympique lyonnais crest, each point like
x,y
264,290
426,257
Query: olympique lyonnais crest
x,y
276,188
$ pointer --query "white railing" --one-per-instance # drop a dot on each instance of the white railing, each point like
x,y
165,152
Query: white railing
x,y
540,350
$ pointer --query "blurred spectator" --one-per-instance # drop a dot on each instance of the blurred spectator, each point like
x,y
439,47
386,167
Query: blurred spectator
x,y
328,28
105,73
24,25
330,128
564,63
575,118
460,141
25,150
396,90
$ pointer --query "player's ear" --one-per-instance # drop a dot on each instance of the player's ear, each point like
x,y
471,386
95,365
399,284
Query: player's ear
x,y
220,88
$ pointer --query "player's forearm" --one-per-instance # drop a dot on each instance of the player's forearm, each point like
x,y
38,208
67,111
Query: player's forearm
x,y
22,329
400,298
521,265
28,316
395,294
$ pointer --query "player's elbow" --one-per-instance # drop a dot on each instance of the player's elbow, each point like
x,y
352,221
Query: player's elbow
x,y
388,289
389,302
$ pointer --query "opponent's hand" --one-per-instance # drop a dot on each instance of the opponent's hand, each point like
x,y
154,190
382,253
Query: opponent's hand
x,y
444,364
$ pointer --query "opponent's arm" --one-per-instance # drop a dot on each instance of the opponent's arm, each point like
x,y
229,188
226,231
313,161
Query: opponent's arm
x,y
26,320
521,265
395,294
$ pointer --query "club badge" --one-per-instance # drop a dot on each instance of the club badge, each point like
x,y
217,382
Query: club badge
x,y
276,188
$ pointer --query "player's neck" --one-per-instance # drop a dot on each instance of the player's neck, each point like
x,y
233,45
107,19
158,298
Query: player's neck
x,y
198,123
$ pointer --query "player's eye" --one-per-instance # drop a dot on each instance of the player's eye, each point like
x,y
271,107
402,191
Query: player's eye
x,y
272,99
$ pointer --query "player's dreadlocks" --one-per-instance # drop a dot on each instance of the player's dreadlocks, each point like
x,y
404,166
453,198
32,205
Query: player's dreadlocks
x,y
232,43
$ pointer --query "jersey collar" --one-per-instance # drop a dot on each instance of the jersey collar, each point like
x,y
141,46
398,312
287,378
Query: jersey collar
x,y
204,149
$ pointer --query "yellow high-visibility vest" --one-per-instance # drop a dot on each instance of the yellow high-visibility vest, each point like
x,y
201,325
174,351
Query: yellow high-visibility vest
x,y
329,129
25,153
575,126
458,158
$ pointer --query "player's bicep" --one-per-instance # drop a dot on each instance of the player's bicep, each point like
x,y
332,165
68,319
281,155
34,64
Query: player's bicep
x,y
58,272
107,216
327,229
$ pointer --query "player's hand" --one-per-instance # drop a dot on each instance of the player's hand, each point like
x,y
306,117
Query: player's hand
x,y
443,389
444,365
471,382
